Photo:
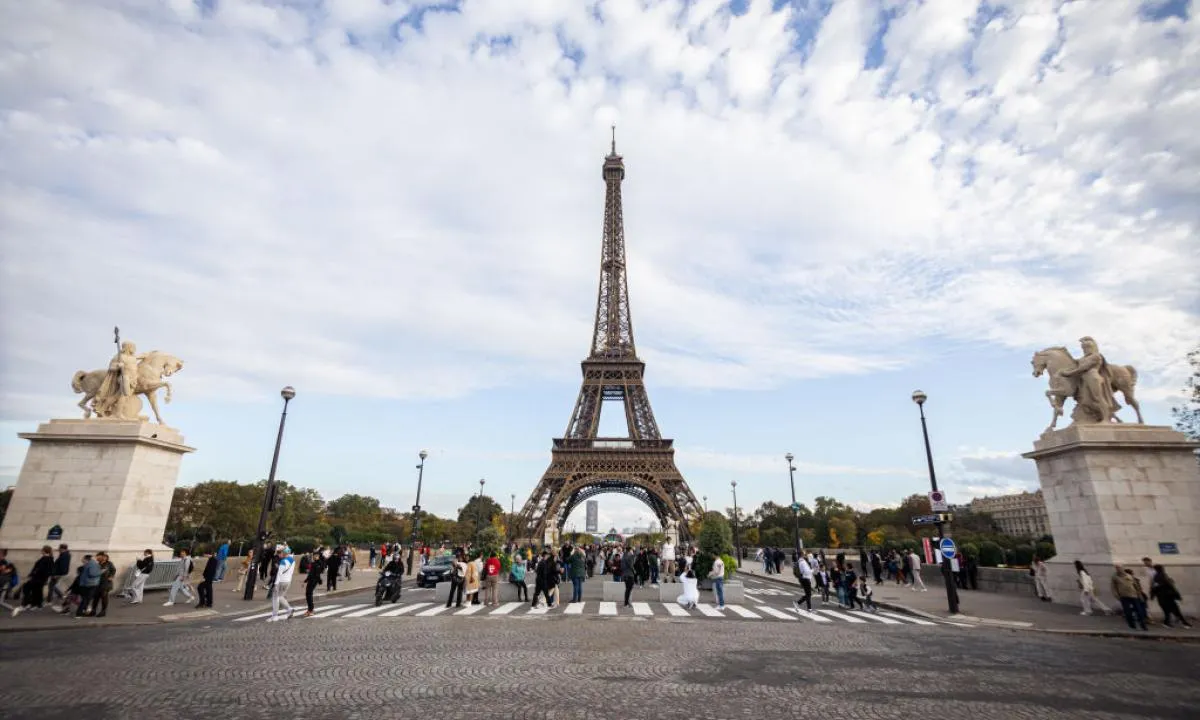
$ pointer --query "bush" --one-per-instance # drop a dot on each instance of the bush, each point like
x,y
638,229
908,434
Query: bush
x,y
715,536
1022,555
971,550
702,565
1045,550
990,554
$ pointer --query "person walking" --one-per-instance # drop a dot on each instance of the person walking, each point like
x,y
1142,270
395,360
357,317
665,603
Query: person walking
x,y
1125,589
281,581
107,572
806,584
1041,580
88,584
914,563
1087,591
316,572
717,575
208,575
183,579
222,561
141,572
62,568
516,576
332,567
629,572
1163,589
32,592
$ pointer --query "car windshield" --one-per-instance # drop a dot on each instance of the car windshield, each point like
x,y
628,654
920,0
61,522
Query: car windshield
x,y
441,562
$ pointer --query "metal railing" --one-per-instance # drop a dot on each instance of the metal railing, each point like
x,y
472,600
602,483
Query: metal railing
x,y
161,576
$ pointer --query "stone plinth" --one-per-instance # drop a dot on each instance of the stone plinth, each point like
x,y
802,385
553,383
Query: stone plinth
x,y
1113,493
106,483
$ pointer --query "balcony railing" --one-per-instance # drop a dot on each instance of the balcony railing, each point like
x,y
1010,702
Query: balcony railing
x,y
610,444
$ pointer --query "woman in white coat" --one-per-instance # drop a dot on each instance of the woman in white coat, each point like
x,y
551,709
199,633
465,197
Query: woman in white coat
x,y
691,590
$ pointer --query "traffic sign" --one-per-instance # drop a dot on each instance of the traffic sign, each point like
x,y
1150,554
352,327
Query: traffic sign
x,y
416,508
924,519
948,548
937,501
795,507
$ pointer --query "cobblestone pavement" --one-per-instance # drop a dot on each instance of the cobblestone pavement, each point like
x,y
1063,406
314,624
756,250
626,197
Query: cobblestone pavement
x,y
599,669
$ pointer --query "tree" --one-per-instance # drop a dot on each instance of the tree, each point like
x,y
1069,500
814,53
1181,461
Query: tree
x,y
842,532
1187,415
715,538
750,537
479,510
357,511
876,538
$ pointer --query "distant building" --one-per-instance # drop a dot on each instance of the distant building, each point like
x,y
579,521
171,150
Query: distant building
x,y
592,524
1020,515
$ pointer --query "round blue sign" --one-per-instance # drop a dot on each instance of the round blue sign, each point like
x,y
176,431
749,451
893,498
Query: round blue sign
x,y
948,548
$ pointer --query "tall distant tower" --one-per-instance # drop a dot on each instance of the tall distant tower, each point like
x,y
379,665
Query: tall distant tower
x,y
642,463
593,516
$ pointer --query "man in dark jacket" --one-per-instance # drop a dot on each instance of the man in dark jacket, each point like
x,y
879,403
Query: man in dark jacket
x,y
62,568
108,571
629,572
31,592
205,588
316,571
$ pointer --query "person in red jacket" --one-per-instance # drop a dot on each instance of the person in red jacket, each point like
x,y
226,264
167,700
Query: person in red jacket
x,y
491,580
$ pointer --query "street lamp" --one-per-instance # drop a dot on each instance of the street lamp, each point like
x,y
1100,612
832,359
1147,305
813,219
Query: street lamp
x,y
795,505
270,501
479,512
512,515
947,569
416,516
705,504
737,535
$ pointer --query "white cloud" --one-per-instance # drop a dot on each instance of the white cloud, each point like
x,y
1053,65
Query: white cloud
x,y
382,210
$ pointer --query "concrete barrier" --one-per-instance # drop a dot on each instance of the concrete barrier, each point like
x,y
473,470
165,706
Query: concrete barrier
x,y
508,592
614,591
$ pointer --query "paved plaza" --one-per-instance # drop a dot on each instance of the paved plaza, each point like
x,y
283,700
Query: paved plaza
x,y
599,669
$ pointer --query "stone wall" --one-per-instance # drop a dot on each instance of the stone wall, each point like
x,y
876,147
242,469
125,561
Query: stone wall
x,y
1013,581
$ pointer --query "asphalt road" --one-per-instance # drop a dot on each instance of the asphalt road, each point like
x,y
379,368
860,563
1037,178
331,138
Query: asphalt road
x,y
588,666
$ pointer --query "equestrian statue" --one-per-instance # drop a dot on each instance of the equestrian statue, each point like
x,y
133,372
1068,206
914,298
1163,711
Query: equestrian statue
x,y
1091,381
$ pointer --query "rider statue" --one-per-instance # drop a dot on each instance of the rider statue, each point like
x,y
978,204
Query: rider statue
x,y
1094,401
119,383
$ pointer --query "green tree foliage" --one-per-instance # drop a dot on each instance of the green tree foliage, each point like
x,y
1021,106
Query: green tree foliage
x,y
358,511
716,537
479,510
990,554
1187,414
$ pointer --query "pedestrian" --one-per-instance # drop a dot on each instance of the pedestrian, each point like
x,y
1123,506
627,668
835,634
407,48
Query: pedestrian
x,y
691,590
332,567
88,584
458,580
516,576
471,583
806,584
8,579
1126,589
548,576
183,579
209,575
281,581
222,561
850,580
914,568
668,561
316,571
1041,580
652,561
576,571
62,568
32,592
877,566
491,574
1163,589
717,576
629,572
141,572
1087,591
371,559
867,595
822,578
244,571
107,572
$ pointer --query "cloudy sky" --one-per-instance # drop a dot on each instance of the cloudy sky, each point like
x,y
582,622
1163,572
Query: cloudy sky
x,y
396,207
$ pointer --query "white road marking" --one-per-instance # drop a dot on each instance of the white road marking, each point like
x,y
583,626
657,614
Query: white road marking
x,y
608,608
641,608
368,611
710,611
405,609
743,612
507,608
775,613
809,615
675,610
325,612
910,619
575,608
471,609
438,610
876,618
843,616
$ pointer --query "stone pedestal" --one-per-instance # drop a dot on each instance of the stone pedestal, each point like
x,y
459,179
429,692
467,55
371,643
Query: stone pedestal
x,y
1113,494
106,483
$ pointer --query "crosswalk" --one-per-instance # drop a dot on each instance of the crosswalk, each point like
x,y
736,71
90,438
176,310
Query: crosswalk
x,y
648,610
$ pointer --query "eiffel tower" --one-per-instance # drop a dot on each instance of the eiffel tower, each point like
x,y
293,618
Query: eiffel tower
x,y
641,464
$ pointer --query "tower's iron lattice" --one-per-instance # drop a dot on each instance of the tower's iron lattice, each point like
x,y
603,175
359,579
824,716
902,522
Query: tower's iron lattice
x,y
641,464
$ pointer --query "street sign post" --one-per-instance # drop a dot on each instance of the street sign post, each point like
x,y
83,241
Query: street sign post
x,y
948,548
924,519
937,502
796,507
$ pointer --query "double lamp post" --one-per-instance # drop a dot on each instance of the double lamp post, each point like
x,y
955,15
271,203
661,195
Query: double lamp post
x,y
416,512
947,567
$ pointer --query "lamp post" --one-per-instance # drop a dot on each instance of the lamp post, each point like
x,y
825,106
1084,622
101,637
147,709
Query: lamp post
x,y
416,511
479,512
737,535
512,516
705,504
269,501
947,569
795,505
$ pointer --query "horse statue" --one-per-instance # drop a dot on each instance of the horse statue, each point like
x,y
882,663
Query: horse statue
x,y
152,367
1054,361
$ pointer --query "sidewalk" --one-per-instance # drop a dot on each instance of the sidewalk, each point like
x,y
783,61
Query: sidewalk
x,y
1015,612
151,610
